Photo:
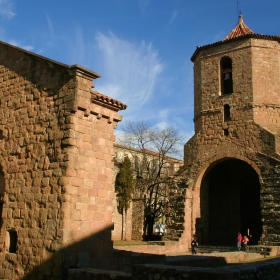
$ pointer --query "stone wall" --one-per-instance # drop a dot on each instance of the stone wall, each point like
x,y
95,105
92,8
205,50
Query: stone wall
x,y
134,224
31,159
137,219
133,221
118,219
56,149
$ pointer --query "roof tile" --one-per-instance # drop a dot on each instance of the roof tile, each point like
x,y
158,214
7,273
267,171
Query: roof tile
x,y
114,104
240,29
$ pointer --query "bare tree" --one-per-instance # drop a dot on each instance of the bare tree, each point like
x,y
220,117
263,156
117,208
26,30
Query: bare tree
x,y
154,166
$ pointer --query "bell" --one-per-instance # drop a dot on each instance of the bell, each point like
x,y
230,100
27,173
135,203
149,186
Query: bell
x,y
227,76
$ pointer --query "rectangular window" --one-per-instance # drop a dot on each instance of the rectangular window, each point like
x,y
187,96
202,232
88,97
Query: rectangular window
x,y
13,242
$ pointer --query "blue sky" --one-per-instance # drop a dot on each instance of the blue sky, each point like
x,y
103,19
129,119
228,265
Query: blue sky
x,y
141,48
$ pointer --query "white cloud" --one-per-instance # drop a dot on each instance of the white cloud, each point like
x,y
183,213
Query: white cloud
x,y
6,13
218,37
163,114
20,45
173,17
27,47
51,33
162,125
131,71
6,9
134,74
143,4
78,47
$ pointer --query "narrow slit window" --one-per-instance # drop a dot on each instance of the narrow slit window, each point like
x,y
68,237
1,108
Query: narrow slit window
x,y
226,75
1,211
2,192
226,132
226,113
13,242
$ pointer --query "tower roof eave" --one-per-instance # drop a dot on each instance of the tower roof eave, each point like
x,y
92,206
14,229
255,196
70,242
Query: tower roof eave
x,y
247,36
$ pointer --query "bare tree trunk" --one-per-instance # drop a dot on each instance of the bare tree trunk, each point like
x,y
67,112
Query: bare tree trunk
x,y
151,225
125,225
122,225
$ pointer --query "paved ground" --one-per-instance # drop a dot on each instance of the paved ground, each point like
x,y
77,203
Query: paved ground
x,y
129,242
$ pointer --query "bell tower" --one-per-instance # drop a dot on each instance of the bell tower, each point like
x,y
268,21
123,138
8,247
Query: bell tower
x,y
233,159
237,80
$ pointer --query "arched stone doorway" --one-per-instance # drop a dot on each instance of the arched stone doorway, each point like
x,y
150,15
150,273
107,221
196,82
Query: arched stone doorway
x,y
230,202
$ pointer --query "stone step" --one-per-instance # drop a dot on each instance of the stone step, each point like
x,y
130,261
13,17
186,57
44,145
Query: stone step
x,y
210,249
94,274
263,250
167,238
163,243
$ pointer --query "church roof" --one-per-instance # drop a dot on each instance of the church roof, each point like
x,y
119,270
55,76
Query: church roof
x,y
240,29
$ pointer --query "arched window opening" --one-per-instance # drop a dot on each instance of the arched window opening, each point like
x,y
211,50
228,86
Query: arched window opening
x,y
226,75
226,113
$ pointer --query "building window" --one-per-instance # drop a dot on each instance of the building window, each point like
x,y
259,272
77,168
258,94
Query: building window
x,y
226,75
226,113
1,211
12,242
2,192
136,163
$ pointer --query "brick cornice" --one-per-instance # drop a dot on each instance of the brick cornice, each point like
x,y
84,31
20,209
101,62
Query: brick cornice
x,y
107,101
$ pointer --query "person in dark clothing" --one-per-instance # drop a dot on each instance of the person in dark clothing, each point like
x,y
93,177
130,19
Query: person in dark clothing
x,y
194,245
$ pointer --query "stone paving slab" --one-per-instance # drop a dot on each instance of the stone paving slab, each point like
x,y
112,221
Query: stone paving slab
x,y
269,269
211,266
214,258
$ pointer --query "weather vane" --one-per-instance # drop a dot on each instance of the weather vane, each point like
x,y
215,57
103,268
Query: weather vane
x,y
238,11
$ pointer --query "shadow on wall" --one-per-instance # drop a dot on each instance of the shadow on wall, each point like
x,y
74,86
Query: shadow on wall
x,y
94,251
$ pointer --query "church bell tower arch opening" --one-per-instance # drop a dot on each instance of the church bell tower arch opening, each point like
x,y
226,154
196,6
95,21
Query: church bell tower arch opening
x,y
230,203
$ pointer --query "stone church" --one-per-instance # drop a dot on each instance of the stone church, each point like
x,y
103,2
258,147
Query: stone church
x,y
231,175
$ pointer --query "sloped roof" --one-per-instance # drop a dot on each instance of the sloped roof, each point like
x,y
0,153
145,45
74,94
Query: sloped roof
x,y
111,103
240,29
145,151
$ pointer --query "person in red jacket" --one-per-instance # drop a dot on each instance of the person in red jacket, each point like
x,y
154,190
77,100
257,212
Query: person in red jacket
x,y
239,240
